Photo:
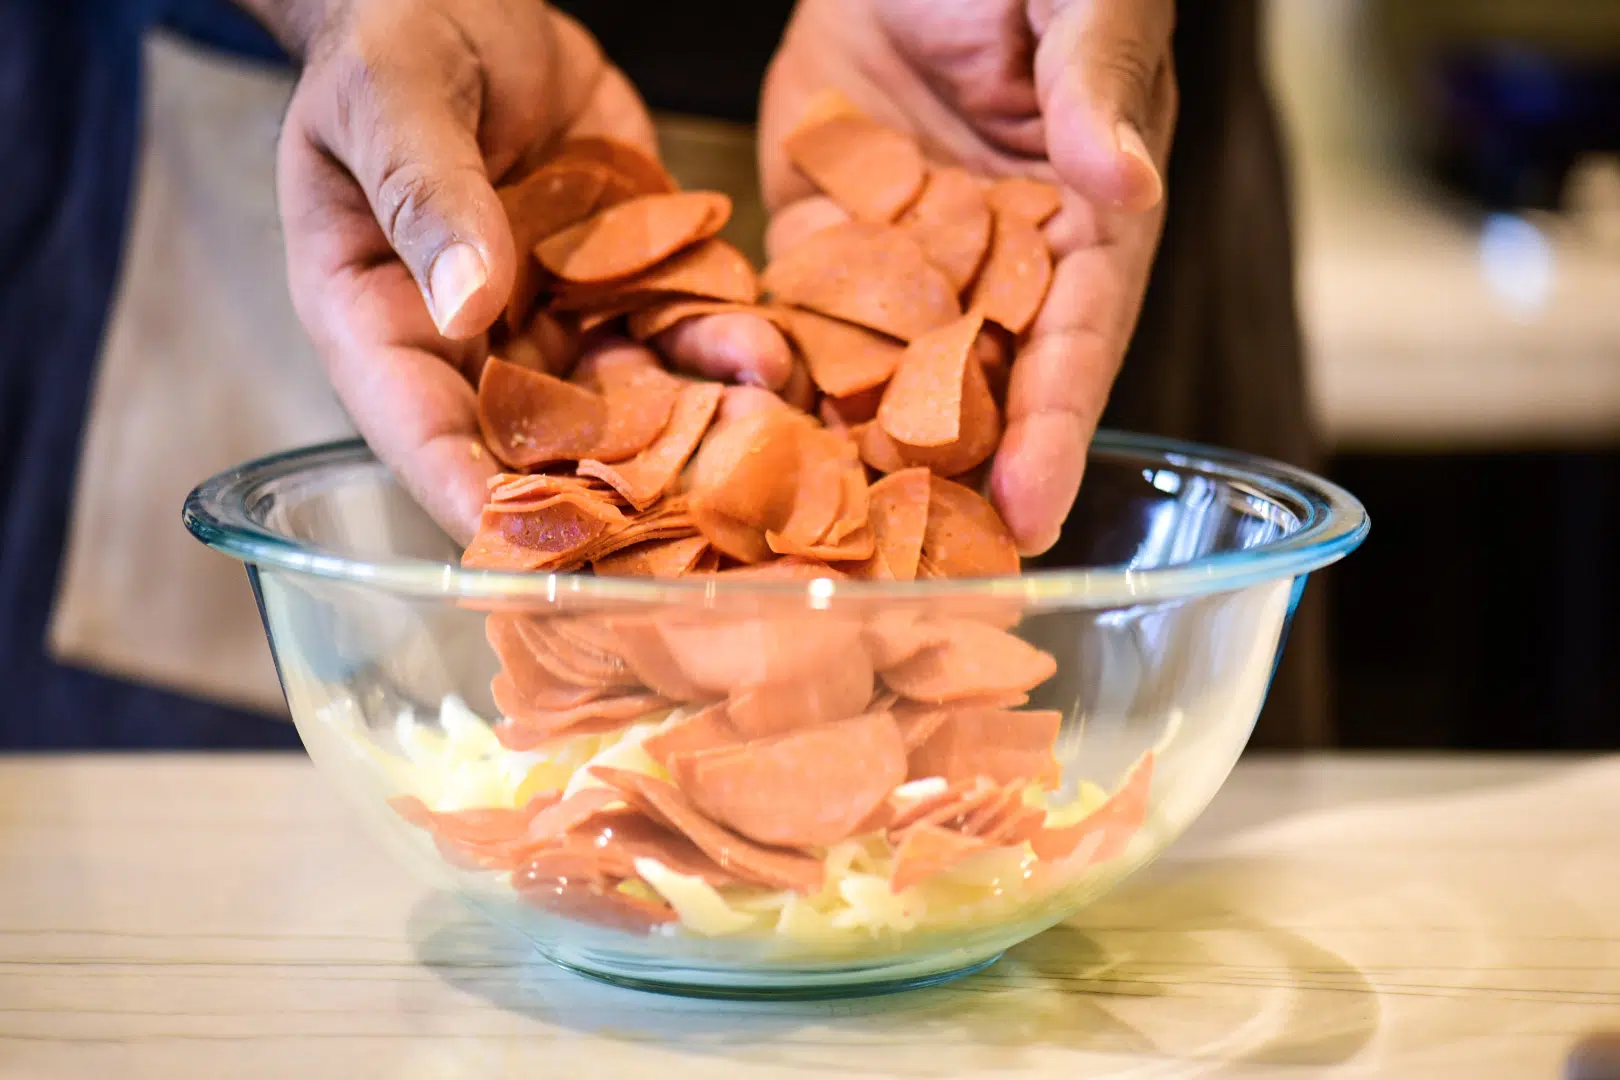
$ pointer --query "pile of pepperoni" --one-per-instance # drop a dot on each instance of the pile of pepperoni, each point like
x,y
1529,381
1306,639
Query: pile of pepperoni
x,y
797,730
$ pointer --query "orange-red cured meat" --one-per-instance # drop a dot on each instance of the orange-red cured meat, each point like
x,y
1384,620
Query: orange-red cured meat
x,y
872,171
643,478
823,456
898,512
835,693
707,729
561,818
640,171
923,404
927,850
633,235
1108,829
717,654
852,410
767,866
893,637
617,838
1002,744
641,644
516,487
809,787
979,430
908,811
951,222
654,559
485,826
656,524
711,269
545,202
984,819
870,275
640,397
855,508
1016,274
975,659
746,473
857,546
1018,196
530,729
918,724
662,313
877,449
557,644
547,535
964,536
600,904
531,419
954,813
843,358
536,684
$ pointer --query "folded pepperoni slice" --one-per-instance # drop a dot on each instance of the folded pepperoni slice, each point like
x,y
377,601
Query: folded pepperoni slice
x,y
877,449
633,235
871,275
654,559
843,358
898,512
744,481
707,729
639,172
871,171
975,659
1016,274
549,535
598,903
563,817
1005,745
530,419
640,397
771,867
1030,200
927,850
807,788
979,431
855,508
951,222
833,694
711,269
1107,831
964,536
823,460
847,412
923,404
642,479
545,202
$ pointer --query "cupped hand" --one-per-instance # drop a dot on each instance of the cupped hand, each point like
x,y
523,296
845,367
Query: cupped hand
x,y
399,254
1079,93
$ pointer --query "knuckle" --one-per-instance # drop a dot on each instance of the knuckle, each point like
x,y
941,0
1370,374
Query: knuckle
x,y
1131,71
406,194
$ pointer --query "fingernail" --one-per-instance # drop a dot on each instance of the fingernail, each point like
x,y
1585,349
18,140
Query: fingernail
x,y
457,273
1131,144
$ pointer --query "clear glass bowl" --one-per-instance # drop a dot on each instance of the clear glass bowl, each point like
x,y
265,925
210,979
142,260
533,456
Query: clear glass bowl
x,y
1187,563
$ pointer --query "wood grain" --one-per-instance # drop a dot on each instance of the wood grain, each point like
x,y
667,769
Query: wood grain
x,y
225,917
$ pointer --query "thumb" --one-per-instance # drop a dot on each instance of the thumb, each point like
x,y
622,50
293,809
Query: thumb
x,y
408,139
1098,66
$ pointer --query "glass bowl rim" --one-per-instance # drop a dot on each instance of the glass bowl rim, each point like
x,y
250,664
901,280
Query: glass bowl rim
x,y
219,512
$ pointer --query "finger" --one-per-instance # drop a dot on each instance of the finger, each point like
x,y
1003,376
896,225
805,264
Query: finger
x,y
397,378
790,226
1097,67
404,124
731,347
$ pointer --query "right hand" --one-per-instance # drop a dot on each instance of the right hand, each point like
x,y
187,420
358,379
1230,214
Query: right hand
x,y
399,253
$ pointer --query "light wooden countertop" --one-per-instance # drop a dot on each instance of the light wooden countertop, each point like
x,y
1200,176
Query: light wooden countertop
x,y
213,917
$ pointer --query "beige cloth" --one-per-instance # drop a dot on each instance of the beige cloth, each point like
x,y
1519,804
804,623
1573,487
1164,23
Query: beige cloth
x,y
204,366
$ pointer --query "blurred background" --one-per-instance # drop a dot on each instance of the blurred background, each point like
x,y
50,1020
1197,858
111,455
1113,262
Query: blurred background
x,y
1457,171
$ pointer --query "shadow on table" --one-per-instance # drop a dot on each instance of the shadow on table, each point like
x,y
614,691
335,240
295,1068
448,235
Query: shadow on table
x,y
1165,968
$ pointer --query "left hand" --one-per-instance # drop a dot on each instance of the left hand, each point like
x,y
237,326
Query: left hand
x,y
1077,92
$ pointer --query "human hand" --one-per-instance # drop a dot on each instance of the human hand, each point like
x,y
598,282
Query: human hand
x,y
400,256
1079,93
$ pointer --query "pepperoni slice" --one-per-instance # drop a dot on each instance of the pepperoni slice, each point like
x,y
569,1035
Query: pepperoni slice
x,y
598,903
711,269
923,404
560,645
547,535
639,172
1108,828
871,171
847,412
843,358
834,694
1029,200
706,729
633,235
928,850
979,431
1016,274
654,559
531,419
871,275
662,313
898,512
561,818
951,222
543,203
964,536
719,654
893,637
641,644
1006,746
823,457
640,397
537,684
877,449
810,787
771,867
975,659
744,481
642,479
530,729
620,837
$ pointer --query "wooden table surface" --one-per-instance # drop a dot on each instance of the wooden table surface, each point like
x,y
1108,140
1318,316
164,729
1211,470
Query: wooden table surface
x,y
1328,916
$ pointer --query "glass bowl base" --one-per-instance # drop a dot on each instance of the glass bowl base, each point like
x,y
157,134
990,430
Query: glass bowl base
x,y
783,984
